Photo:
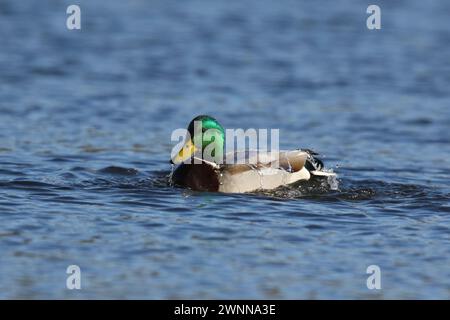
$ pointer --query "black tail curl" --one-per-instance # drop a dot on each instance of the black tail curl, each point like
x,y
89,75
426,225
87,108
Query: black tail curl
x,y
312,162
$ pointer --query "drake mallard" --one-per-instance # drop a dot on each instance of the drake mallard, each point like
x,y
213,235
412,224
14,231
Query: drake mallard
x,y
261,170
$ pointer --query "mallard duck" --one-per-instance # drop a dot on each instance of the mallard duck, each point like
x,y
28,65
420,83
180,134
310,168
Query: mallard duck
x,y
262,170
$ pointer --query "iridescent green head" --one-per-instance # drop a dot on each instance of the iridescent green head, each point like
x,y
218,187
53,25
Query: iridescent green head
x,y
205,140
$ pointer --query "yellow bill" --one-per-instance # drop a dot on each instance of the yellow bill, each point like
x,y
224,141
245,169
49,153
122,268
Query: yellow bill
x,y
185,153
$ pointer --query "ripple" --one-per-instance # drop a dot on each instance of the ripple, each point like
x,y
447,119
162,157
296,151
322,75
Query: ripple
x,y
119,171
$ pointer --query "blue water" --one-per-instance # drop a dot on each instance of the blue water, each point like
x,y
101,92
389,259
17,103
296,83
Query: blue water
x,y
85,125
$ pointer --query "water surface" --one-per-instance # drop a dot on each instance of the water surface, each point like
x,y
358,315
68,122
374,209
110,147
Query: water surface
x,y
85,125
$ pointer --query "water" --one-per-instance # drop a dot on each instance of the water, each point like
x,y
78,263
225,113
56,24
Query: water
x,y
85,125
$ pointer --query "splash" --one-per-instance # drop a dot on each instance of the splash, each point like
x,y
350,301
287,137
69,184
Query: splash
x,y
170,175
332,181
